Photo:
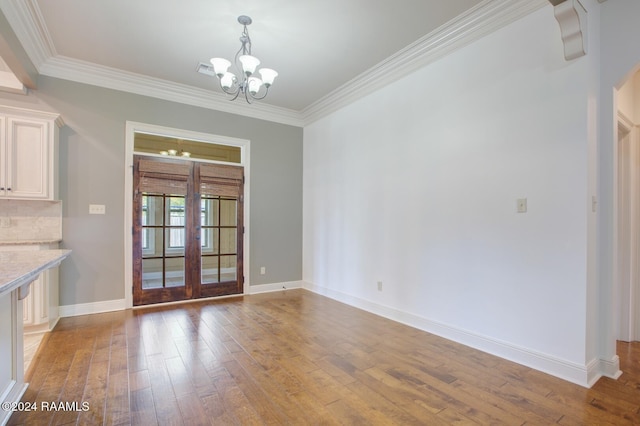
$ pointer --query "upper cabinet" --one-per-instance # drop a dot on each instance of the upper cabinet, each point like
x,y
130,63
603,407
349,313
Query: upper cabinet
x,y
28,154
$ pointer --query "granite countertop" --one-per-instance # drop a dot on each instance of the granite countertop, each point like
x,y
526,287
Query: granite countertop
x,y
20,268
29,242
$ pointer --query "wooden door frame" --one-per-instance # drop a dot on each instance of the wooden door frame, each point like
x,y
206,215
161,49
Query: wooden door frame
x,y
131,129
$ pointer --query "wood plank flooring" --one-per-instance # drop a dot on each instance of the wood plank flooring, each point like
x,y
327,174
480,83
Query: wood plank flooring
x,y
297,358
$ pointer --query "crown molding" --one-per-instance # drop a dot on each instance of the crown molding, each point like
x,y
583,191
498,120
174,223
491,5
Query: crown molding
x,y
485,18
28,25
111,78
488,16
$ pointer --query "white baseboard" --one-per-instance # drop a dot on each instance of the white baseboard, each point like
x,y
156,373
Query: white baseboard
x,y
266,288
583,375
604,368
11,395
92,308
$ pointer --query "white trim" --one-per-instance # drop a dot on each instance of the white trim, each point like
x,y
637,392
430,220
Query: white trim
x,y
604,368
625,292
267,288
133,127
566,370
28,25
92,308
486,17
13,395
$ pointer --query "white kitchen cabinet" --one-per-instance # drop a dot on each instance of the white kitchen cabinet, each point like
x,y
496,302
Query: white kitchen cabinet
x,y
40,309
17,270
28,154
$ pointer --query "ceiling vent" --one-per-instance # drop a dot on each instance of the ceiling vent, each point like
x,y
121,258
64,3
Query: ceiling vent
x,y
205,69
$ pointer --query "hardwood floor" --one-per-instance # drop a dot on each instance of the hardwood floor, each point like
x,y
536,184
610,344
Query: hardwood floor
x,y
297,358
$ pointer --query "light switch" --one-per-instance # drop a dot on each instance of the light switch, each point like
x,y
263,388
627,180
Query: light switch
x,y
97,209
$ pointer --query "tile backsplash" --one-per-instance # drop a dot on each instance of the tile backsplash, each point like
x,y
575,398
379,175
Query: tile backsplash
x,y
30,220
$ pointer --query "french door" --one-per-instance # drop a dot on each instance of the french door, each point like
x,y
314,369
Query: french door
x,y
188,230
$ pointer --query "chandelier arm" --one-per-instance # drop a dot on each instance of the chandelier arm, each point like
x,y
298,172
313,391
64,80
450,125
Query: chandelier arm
x,y
236,96
248,97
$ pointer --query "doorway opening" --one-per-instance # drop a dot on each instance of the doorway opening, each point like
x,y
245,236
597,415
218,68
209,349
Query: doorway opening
x,y
188,223
627,205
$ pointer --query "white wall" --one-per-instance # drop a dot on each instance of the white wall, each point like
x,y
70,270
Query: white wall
x,y
416,186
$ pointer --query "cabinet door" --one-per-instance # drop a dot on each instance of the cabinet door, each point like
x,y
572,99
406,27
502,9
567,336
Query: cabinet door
x,y
3,157
28,155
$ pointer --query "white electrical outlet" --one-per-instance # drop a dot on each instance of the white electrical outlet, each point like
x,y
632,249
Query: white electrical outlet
x,y
5,222
263,270
97,209
522,205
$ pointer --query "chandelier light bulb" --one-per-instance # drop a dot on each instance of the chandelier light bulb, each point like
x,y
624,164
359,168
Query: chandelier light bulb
x,y
220,66
268,75
249,64
227,80
254,85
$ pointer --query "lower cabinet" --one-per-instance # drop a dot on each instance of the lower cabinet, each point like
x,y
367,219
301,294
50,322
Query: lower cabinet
x,y
40,308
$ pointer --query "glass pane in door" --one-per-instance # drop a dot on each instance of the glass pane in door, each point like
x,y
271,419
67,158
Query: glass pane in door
x,y
228,215
163,241
174,267
228,268
219,239
151,273
210,270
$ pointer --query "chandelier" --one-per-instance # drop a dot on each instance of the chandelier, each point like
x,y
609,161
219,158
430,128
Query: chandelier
x,y
247,84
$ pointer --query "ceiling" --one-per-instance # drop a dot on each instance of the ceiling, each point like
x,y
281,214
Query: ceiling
x,y
318,47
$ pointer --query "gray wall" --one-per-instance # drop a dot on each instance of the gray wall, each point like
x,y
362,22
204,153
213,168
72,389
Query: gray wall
x,y
92,150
